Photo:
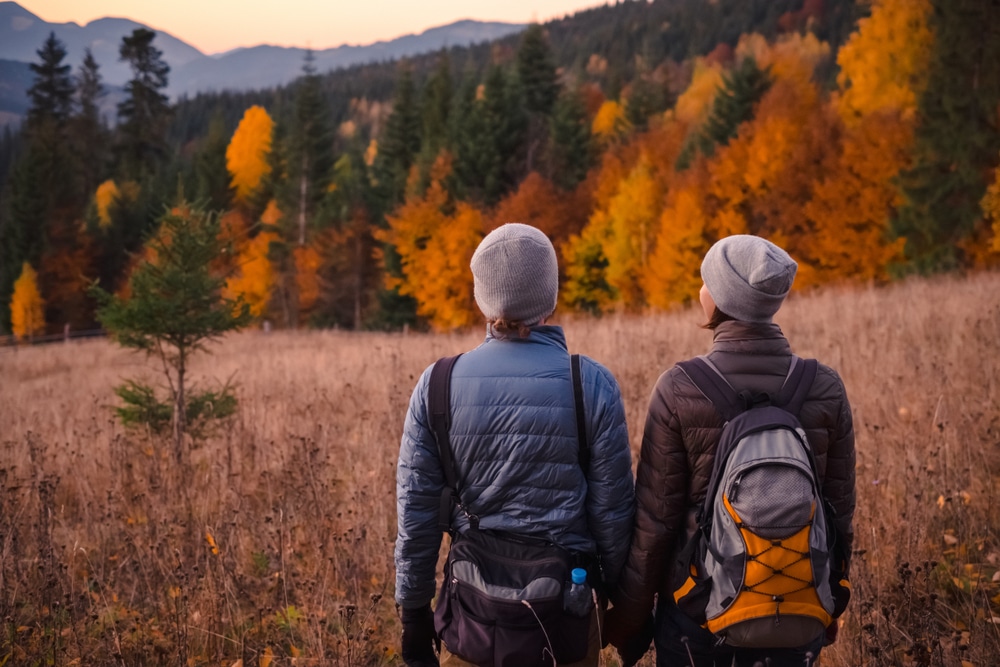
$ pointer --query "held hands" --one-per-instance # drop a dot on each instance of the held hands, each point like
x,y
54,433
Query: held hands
x,y
420,642
631,643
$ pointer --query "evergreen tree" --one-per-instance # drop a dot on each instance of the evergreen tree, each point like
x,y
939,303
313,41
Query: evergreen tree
x,y
89,133
310,151
400,141
214,186
957,139
51,94
536,72
144,113
174,309
40,193
437,101
572,148
733,105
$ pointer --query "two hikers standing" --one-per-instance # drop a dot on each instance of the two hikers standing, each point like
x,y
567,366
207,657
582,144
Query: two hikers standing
x,y
518,474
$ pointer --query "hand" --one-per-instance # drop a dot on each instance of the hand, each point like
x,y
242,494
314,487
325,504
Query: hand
x,y
632,650
419,641
831,632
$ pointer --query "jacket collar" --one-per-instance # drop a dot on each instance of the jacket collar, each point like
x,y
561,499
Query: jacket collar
x,y
546,334
750,338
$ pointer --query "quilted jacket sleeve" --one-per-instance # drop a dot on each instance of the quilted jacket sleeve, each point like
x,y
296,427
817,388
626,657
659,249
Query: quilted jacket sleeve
x,y
839,481
419,482
610,489
661,506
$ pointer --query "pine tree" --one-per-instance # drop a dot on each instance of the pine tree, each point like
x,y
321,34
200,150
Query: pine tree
x,y
435,107
572,149
51,94
144,112
400,141
957,138
40,188
310,150
89,134
214,185
536,72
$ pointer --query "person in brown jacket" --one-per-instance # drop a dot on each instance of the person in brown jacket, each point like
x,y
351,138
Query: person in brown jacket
x,y
746,279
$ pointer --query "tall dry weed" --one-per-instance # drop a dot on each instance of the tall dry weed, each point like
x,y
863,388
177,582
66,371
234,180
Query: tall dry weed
x,y
277,544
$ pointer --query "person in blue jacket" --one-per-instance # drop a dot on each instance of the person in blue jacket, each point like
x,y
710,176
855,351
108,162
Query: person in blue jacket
x,y
514,437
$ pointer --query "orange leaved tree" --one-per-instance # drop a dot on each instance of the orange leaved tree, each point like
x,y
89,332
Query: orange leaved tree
x,y
27,310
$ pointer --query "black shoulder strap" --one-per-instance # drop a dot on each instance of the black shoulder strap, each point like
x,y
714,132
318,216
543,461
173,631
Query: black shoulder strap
x,y
439,405
581,417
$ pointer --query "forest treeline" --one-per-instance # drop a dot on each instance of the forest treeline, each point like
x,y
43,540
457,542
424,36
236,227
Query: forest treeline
x,y
864,137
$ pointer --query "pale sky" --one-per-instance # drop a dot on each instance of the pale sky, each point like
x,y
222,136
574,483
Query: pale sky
x,y
214,26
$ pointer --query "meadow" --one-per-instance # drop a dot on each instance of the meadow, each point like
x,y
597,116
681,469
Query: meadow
x,y
275,547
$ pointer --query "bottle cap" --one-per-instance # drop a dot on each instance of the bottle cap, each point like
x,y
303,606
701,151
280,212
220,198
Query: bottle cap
x,y
578,575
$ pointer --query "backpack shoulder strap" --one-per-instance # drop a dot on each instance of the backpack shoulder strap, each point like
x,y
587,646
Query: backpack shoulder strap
x,y
439,407
581,417
796,388
715,387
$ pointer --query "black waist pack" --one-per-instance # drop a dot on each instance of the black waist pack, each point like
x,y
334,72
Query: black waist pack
x,y
502,600
501,603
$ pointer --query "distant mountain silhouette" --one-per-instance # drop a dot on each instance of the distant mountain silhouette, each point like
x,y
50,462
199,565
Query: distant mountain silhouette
x,y
191,71
266,66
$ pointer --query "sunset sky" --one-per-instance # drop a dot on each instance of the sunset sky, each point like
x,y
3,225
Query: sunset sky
x,y
214,26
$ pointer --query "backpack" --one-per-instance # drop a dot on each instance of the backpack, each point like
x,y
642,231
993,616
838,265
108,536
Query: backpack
x,y
501,602
759,565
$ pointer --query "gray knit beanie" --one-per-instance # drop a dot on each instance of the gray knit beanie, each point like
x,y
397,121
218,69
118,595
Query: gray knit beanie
x,y
748,277
516,274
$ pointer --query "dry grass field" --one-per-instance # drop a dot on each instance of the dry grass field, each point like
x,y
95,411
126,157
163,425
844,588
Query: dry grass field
x,y
276,547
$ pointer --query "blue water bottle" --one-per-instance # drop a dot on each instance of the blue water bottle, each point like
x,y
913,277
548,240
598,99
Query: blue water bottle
x,y
576,599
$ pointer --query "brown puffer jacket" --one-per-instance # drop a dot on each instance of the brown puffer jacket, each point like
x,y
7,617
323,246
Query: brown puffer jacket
x,y
678,451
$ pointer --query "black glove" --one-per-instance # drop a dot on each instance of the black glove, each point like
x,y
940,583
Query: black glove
x,y
632,649
420,642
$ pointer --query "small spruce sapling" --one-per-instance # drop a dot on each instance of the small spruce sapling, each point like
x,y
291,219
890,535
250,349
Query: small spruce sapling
x,y
174,308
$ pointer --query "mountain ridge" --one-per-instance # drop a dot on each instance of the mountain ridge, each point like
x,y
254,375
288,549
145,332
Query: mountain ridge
x,y
192,71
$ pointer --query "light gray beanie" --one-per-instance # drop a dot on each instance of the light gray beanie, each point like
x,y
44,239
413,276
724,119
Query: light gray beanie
x,y
748,277
516,275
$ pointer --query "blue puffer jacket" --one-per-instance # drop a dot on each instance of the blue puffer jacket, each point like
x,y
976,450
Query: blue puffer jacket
x,y
516,451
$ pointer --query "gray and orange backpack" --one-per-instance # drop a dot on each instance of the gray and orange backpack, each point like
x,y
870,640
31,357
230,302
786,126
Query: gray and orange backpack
x,y
760,570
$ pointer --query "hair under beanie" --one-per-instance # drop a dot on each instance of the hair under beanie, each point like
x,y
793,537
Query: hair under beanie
x,y
516,275
748,277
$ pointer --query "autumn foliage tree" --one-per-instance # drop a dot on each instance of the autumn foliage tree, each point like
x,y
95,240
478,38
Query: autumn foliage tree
x,y
27,310
247,153
435,246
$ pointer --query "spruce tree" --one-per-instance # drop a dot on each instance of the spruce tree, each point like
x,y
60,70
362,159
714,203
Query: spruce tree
x,y
539,88
957,138
309,161
572,149
175,308
400,141
89,133
145,111
214,186
51,94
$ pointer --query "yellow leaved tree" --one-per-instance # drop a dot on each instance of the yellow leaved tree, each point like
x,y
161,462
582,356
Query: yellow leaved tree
x,y
106,194
884,63
27,310
246,156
